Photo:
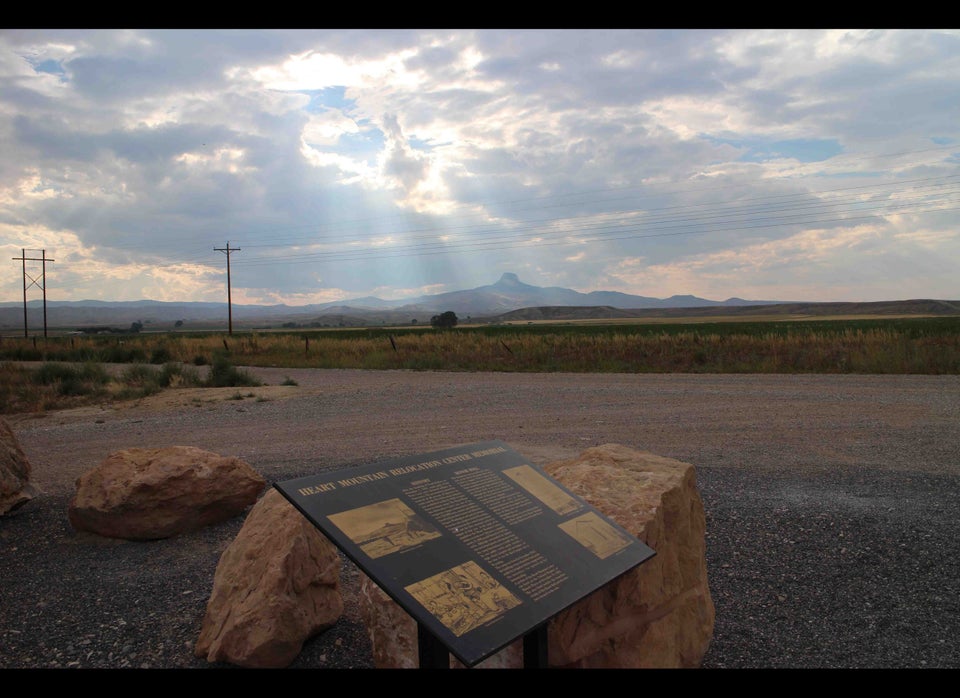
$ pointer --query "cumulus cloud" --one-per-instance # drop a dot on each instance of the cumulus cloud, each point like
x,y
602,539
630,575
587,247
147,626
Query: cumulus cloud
x,y
716,162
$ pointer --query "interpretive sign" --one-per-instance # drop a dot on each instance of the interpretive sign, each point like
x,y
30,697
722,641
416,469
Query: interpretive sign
x,y
479,545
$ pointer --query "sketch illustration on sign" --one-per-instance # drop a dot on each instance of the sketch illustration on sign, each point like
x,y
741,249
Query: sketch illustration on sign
x,y
596,535
541,488
463,597
384,527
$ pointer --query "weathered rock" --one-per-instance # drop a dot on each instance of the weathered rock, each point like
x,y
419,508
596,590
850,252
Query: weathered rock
x,y
276,586
15,486
659,615
146,494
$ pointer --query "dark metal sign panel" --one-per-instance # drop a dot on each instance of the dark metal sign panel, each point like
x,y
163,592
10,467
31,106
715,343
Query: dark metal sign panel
x,y
479,545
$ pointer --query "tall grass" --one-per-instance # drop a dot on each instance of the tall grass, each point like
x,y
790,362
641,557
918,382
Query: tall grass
x,y
920,345
52,385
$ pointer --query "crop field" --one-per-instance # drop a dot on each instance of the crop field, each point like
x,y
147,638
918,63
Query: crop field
x,y
891,345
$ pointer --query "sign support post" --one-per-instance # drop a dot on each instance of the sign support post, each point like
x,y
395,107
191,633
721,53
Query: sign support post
x,y
535,648
432,653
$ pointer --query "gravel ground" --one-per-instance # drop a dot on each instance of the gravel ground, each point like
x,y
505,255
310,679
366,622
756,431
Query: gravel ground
x,y
831,504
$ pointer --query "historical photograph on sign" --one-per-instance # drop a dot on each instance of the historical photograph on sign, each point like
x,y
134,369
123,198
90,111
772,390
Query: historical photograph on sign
x,y
384,528
596,535
541,488
463,597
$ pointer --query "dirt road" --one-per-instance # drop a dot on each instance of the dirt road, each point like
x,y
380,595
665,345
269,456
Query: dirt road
x,y
340,417
830,500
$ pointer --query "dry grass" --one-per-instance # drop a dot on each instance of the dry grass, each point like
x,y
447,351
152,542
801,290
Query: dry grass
x,y
893,346
63,385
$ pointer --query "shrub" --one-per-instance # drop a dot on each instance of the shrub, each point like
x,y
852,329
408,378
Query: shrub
x,y
160,355
69,379
173,374
223,374
140,380
121,354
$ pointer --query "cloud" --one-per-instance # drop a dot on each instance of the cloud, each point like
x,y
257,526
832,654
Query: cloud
x,y
341,161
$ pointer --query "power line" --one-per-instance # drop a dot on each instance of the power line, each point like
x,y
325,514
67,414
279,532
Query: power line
x,y
536,203
921,195
778,210
932,182
723,221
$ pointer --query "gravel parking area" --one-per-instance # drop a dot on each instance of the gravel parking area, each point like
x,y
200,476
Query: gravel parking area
x,y
831,504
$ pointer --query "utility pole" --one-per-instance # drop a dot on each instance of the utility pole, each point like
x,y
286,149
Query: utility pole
x,y
227,250
42,283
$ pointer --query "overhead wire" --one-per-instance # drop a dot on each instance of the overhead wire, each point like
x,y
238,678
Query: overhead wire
x,y
333,243
725,219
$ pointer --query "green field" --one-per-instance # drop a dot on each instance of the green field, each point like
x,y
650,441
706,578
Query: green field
x,y
895,345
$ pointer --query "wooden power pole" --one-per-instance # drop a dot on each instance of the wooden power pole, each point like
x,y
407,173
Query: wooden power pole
x,y
227,250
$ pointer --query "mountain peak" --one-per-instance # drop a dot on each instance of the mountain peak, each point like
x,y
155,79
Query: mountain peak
x,y
509,279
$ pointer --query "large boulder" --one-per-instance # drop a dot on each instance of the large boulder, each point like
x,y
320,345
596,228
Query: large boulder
x,y
15,486
146,494
276,586
658,615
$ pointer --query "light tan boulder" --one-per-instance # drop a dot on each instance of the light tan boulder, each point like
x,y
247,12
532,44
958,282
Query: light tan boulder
x,y
146,494
659,615
15,486
276,586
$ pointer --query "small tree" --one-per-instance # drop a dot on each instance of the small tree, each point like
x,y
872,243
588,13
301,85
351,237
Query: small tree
x,y
444,320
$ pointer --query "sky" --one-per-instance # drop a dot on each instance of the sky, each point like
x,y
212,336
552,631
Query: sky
x,y
328,165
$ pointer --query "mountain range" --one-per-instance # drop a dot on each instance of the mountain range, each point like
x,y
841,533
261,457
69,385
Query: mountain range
x,y
508,298
506,295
